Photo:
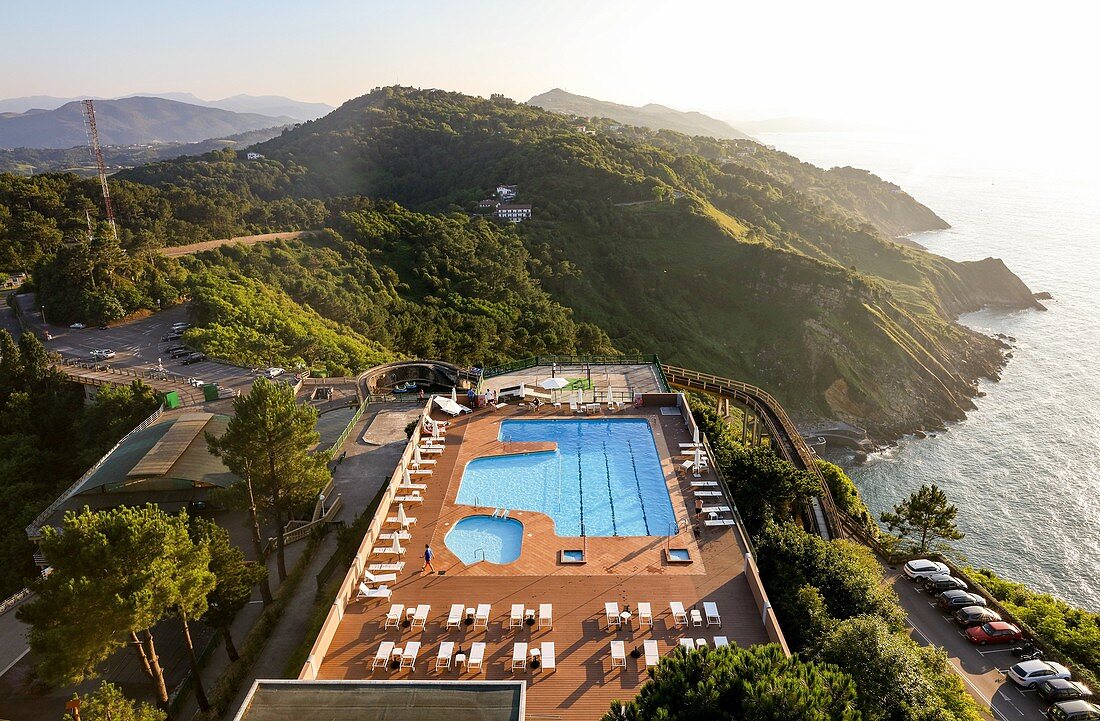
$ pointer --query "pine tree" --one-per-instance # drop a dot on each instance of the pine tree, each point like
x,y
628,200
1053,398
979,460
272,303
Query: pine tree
x,y
925,517
235,580
107,703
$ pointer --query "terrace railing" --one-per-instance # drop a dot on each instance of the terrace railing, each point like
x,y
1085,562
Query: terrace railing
x,y
572,360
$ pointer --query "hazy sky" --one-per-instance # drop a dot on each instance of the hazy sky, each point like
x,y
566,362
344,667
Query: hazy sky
x,y
883,62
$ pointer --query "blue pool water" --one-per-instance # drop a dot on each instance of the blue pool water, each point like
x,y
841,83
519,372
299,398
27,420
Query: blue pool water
x,y
604,479
476,538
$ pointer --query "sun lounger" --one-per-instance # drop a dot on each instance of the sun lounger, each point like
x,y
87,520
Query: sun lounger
x,y
645,615
716,509
420,472
423,462
546,615
720,641
696,617
406,487
704,484
443,658
481,617
431,450
705,494
710,609
387,549
618,654
382,657
408,658
652,657
399,535
519,655
454,618
700,643
691,446
678,615
720,522
547,658
367,592
409,520
515,618
375,567
415,497
393,618
477,657
380,578
420,618
611,613
688,644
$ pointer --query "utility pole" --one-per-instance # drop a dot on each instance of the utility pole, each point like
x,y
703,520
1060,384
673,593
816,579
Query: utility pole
x,y
88,108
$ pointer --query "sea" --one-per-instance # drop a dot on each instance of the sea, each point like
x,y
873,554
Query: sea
x,y
1024,467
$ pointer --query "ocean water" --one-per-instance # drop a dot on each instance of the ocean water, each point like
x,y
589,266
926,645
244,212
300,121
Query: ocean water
x,y
604,479
1024,468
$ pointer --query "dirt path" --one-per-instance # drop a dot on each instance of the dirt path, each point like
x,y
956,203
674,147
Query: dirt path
x,y
179,250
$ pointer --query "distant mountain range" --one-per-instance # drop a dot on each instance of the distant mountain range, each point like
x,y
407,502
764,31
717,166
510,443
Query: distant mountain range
x,y
274,105
656,117
129,121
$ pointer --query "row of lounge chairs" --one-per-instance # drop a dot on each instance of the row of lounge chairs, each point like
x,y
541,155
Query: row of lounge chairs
x,y
643,615
522,654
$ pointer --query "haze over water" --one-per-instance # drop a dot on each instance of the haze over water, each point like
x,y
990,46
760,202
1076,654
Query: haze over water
x,y
1024,468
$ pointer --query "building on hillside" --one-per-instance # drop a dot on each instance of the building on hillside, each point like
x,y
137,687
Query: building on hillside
x,y
513,213
487,205
166,462
507,193
255,156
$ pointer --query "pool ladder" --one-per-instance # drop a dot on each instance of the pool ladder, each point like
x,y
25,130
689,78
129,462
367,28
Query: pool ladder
x,y
500,513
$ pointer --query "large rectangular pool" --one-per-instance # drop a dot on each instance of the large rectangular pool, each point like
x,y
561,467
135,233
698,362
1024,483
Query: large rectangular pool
x,y
604,479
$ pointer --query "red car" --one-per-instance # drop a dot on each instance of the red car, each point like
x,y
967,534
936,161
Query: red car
x,y
993,632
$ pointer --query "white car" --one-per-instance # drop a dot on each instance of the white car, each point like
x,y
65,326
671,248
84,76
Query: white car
x,y
1031,673
274,372
78,326
921,568
103,353
179,327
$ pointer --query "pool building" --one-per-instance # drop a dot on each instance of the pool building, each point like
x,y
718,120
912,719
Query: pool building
x,y
574,544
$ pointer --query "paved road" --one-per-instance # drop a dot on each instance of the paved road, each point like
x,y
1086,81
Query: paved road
x,y
982,669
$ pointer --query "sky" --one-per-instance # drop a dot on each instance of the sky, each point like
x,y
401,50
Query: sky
x,y
984,66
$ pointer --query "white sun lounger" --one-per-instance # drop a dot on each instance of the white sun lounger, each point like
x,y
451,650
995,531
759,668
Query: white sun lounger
x,y
399,535
716,509
420,618
393,618
710,609
618,654
691,445
380,578
652,656
382,657
367,592
705,494
443,658
477,657
406,487
704,484
611,614
573,407
408,658
431,450
678,614
415,497
420,472
720,522
687,644
548,660
387,549
481,617
645,615
423,462
720,641
409,520
375,567
515,618
454,618
519,656
546,615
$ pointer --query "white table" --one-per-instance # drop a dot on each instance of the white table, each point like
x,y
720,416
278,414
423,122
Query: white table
x,y
460,659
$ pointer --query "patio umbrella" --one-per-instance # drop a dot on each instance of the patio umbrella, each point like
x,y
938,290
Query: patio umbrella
x,y
407,479
695,435
698,457
416,455
609,396
553,384
396,545
577,394
454,395
401,517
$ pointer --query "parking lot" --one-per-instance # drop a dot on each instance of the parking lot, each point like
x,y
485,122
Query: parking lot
x,y
982,668
140,344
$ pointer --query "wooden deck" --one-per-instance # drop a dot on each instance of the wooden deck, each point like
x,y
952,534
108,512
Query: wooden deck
x,y
625,570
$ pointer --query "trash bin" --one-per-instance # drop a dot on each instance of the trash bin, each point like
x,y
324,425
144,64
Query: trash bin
x,y
171,400
210,392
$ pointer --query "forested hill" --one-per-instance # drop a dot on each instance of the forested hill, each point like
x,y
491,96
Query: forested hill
x,y
742,262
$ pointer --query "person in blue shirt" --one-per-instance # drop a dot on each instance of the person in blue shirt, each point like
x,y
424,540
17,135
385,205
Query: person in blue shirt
x,y
428,556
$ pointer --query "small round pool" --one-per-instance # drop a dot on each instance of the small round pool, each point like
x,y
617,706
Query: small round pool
x,y
476,538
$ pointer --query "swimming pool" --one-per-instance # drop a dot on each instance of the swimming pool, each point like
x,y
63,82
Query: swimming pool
x,y
477,538
604,479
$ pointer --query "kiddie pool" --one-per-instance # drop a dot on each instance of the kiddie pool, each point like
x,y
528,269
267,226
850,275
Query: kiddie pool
x,y
477,538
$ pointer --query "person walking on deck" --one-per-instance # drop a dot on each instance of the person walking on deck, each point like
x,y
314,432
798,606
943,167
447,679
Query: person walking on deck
x,y
428,556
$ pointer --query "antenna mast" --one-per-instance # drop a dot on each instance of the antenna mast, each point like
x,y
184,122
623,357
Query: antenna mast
x,y
88,109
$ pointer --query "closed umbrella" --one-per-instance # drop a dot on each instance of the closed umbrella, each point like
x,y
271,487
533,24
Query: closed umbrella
x,y
454,395
396,545
407,479
577,395
416,454
695,435
698,457
401,517
609,394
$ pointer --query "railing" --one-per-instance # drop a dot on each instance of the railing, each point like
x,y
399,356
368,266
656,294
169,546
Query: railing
x,y
36,525
11,601
779,425
570,360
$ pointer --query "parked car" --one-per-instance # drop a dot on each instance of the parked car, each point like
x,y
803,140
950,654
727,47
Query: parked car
x,y
975,616
993,632
1073,711
920,568
174,348
274,372
951,600
943,582
172,336
1062,689
198,383
1031,673
78,326
193,358
181,353
103,353
180,326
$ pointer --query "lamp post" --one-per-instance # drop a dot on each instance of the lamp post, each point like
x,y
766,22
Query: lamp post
x,y
43,315
321,498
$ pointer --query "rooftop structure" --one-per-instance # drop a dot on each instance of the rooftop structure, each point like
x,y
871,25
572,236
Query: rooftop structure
x,y
517,213
565,537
